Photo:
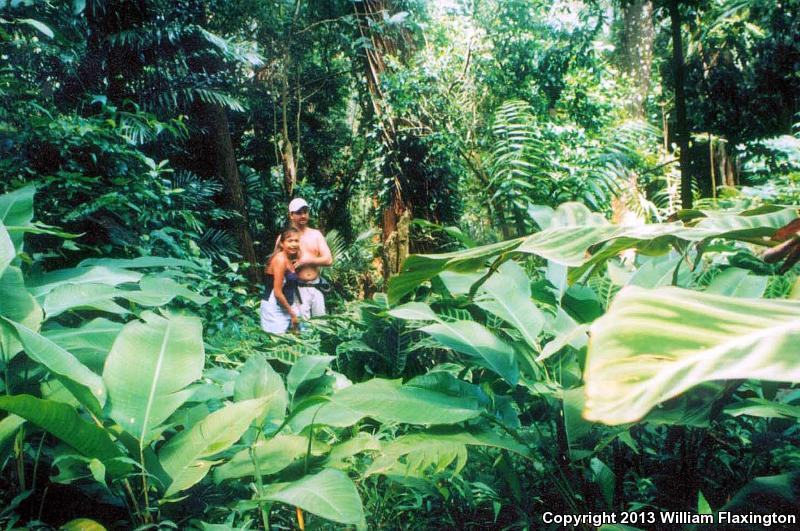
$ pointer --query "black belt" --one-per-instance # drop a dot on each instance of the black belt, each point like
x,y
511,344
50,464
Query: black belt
x,y
322,286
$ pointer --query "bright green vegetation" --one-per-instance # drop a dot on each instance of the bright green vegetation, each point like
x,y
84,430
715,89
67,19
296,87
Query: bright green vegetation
x,y
565,239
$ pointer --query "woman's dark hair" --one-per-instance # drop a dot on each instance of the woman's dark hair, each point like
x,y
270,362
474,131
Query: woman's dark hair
x,y
286,231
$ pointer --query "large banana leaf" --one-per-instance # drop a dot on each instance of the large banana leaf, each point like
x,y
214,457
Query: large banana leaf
x,y
153,291
508,292
469,337
19,306
389,401
573,241
182,456
149,366
99,297
653,345
272,455
257,379
41,285
329,494
63,422
90,342
84,384
477,342
141,262
305,369
420,267
7,251
16,210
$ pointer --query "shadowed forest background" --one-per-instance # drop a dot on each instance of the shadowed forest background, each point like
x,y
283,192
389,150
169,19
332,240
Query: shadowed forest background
x,y
565,240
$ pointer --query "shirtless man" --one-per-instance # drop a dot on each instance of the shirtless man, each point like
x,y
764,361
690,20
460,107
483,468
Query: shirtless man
x,y
314,253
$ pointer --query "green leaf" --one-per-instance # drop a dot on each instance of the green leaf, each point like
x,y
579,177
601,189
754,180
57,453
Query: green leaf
x,y
388,401
329,494
414,311
766,495
477,342
98,297
148,369
653,345
140,262
605,479
82,524
41,285
419,268
273,455
509,299
63,422
760,407
305,369
158,291
90,343
17,305
7,251
77,378
460,283
702,505
659,271
16,208
182,456
735,282
434,443
78,6
258,379
40,26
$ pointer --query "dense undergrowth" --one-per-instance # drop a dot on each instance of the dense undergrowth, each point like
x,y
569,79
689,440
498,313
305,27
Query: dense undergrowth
x,y
489,385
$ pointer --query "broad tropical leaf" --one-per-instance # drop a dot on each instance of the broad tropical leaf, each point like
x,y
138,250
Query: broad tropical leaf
x,y
182,456
153,291
305,369
272,455
736,282
141,262
7,251
509,298
419,268
329,494
84,384
16,210
98,297
477,342
467,337
389,401
90,342
63,422
258,379
149,366
41,285
653,345
17,305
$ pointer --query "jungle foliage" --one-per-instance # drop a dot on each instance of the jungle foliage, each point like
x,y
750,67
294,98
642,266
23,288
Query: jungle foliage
x,y
523,316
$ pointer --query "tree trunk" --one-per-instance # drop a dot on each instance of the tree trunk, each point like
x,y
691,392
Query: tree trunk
x,y
219,136
638,35
681,126
397,213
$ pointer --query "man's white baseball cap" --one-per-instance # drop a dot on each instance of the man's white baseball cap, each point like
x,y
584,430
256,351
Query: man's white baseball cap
x,y
296,204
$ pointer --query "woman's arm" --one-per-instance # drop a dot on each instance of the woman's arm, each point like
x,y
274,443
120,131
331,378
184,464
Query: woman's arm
x,y
279,267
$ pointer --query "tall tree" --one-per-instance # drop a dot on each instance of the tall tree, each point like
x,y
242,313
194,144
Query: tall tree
x,y
638,36
681,124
